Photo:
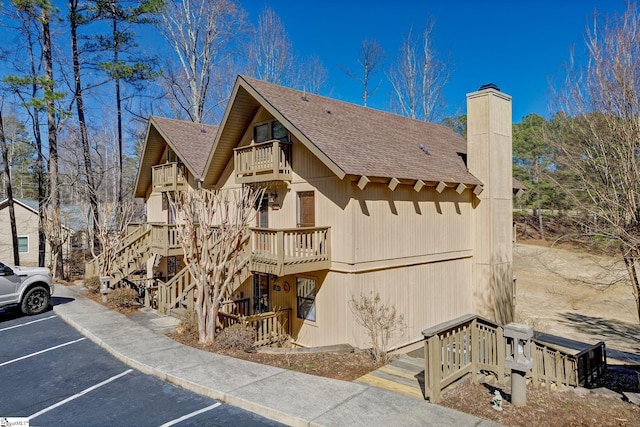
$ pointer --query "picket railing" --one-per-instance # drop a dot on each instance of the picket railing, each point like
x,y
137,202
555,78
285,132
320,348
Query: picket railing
x,y
471,344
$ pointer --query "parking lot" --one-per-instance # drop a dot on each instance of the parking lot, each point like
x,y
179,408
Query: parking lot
x,y
52,375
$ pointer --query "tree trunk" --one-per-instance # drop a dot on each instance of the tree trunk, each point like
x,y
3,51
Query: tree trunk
x,y
56,244
116,71
86,149
12,214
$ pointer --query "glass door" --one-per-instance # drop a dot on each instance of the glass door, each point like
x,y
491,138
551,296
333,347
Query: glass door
x,y
260,293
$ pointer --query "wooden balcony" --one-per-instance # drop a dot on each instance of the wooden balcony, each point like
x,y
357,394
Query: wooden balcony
x,y
164,240
290,250
262,162
168,177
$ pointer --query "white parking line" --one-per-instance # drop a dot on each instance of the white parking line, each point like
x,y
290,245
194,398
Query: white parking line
x,y
193,414
77,395
41,351
28,323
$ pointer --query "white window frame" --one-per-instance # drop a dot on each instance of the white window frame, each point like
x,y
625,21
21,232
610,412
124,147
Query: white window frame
x,y
313,308
23,237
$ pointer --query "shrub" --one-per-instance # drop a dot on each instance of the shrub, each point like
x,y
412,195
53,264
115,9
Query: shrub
x,y
92,284
188,324
380,320
123,298
236,336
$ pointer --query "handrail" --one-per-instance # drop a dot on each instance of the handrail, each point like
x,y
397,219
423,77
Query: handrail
x,y
258,144
277,248
265,161
470,344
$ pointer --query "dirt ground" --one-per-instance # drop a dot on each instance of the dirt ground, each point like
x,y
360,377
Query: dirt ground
x,y
583,298
578,296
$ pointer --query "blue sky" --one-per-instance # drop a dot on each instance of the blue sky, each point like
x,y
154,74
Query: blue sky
x,y
516,44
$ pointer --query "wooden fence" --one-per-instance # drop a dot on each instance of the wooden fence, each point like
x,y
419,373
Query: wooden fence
x,y
270,327
471,344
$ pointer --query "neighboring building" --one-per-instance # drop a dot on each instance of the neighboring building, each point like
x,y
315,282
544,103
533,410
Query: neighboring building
x,y
358,202
26,212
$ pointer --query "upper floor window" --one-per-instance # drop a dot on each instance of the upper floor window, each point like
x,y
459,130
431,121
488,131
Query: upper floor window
x,y
270,130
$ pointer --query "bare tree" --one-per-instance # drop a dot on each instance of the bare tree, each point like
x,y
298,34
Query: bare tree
x,y
370,57
312,76
381,321
271,52
418,78
600,140
202,34
111,233
77,17
211,225
12,214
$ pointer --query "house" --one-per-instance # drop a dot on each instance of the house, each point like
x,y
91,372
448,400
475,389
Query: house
x,y
358,202
26,212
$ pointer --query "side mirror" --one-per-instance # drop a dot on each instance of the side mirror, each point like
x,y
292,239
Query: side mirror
x,y
6,271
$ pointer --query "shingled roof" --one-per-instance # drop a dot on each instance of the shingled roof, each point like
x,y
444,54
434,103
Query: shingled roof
x,y
192,143
361,141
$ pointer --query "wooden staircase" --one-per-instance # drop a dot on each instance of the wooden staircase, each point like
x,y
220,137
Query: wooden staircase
x,y
131,252
178,294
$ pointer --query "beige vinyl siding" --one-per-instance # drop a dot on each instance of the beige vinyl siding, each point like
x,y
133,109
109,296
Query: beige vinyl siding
x,y
27,226
425,294
414,249
403,223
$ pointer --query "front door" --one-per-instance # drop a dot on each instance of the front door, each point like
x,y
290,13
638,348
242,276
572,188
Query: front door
x,y
260,293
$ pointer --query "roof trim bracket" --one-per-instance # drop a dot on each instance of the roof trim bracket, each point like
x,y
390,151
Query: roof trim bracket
x,y
478,190
460,188
362,183
393,184
418,185
440,187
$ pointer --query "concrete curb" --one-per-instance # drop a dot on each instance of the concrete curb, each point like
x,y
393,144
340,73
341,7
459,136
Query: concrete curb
x,y
282,395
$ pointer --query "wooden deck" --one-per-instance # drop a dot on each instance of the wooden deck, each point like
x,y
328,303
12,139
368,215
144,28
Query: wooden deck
x,y
404,375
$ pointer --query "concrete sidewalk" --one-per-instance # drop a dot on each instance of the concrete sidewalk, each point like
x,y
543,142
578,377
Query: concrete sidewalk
x,y
290,397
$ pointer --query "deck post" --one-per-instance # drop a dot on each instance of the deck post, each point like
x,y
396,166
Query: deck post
x,y
275,158
434,367
280,251
502,349
473,347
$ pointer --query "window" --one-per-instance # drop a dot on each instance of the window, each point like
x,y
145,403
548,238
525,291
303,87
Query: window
x,y
306,298
278,131
23,244
271,130
261,133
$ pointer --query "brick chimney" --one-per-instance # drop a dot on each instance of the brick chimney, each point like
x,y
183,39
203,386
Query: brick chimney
x,y
489,158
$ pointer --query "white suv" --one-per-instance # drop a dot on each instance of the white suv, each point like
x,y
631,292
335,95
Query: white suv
x,y
29,287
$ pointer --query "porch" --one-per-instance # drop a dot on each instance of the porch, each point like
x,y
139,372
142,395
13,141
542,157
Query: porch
x,y
262,162
287,251
168,177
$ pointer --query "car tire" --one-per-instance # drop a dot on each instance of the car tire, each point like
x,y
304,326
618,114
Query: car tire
x,y
35,300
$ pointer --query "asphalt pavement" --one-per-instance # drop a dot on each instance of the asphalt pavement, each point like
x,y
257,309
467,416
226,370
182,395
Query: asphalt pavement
x,y
282,395
53,375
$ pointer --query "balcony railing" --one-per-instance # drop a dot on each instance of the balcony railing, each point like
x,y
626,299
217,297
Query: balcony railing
x,y
164,240
290,250
265,161
169,177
